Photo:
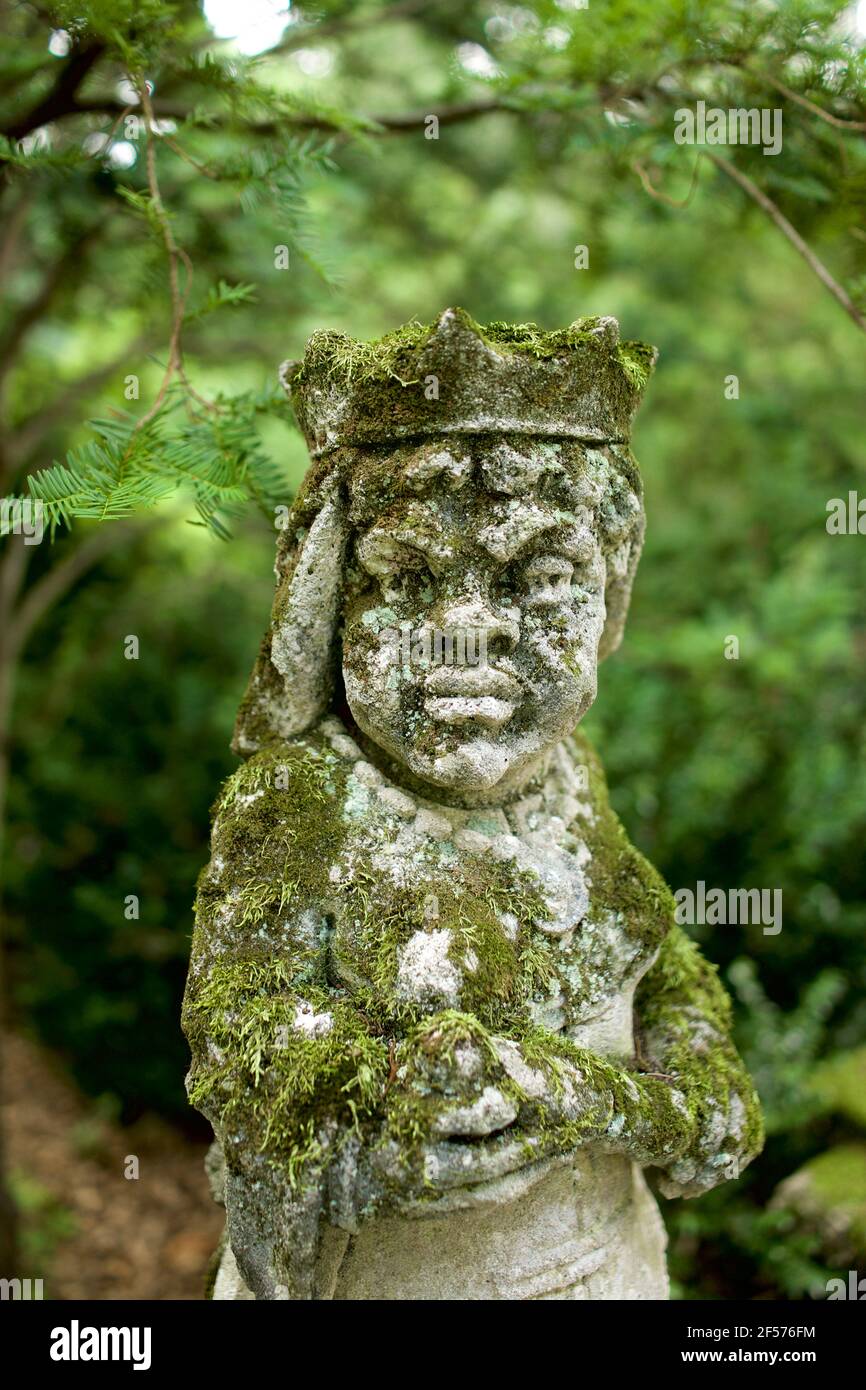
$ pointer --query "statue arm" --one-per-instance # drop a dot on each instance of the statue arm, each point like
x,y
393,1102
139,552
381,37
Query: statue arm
x,y
486,1104
695,1086
691,1110
283,1067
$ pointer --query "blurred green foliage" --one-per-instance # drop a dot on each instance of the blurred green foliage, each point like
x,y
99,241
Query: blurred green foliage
x,y
119,762
45,1223
742,773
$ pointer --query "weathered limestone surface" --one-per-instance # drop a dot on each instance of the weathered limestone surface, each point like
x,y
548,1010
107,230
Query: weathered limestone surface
x,y
580,1227
439,1013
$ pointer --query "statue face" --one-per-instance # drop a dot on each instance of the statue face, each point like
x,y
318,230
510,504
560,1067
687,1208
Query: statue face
x,y
474,608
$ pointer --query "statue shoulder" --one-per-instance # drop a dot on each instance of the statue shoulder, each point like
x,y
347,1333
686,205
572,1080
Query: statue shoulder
x,y
277,830
291,776
587,767
623,880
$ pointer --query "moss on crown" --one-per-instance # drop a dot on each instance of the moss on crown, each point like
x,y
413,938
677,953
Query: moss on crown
x,y
456,375
335,355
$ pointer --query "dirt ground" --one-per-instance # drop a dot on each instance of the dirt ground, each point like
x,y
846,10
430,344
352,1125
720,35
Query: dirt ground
x,y
91,1232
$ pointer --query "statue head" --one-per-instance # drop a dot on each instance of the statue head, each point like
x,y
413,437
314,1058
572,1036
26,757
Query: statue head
x,y
462,552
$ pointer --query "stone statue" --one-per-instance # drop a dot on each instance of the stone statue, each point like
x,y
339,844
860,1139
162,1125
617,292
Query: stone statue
x,y
439,1011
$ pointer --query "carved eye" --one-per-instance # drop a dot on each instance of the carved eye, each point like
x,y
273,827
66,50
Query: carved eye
x,y
388,559
548,578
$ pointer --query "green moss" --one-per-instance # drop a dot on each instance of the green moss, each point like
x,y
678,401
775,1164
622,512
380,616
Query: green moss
x,y
615,1103
275,832
470,898
681,979
410,1112
334,355
637,361
701,1059
621,1109
622,880
509,972
270,1080
529,338
260,955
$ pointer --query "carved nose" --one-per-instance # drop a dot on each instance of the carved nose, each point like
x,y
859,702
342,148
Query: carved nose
x,y
475,613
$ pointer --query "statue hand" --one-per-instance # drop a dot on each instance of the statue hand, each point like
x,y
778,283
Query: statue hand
x,y
475,1085
452,1086
467,1110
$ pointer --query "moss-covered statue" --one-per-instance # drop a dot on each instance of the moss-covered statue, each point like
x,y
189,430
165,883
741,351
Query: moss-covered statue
x,y
439,1013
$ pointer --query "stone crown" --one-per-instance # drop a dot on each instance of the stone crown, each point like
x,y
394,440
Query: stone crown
x,y
457,377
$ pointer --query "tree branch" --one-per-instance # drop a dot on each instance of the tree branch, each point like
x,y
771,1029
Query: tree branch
x,y
778,217
61,98
838,121
659,194
386,125
35,308
60,578
12,235
176,256
13,563
27,436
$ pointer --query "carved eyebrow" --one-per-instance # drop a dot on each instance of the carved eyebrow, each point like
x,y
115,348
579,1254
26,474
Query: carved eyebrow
x,y
525,531
407,535
573,543
506,540
537,529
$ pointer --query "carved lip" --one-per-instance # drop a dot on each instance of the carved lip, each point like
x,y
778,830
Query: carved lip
x,y
483,709
468,683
